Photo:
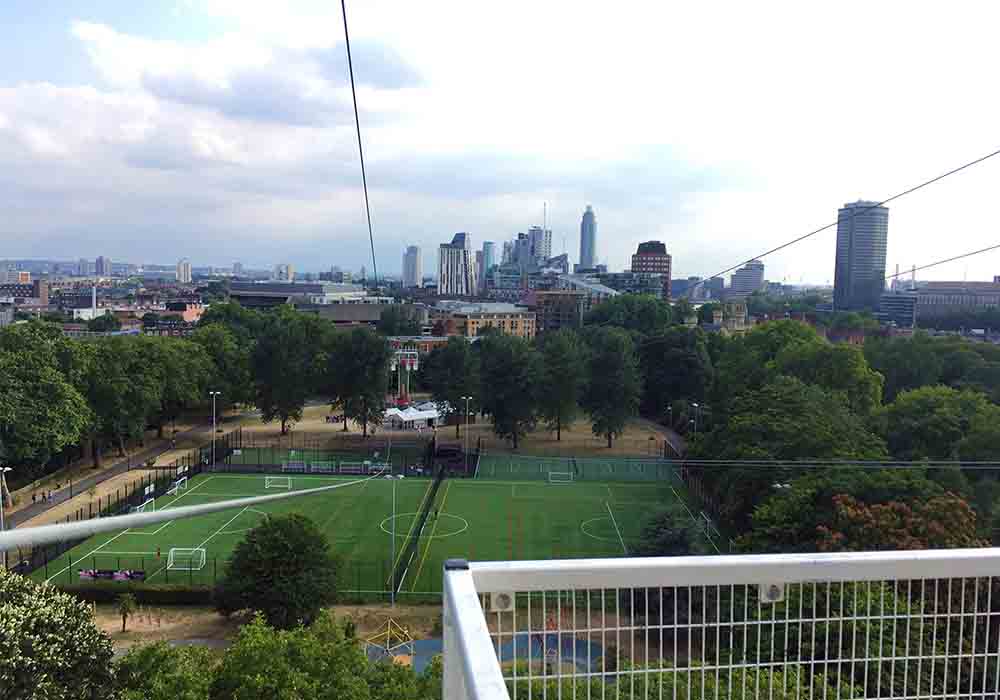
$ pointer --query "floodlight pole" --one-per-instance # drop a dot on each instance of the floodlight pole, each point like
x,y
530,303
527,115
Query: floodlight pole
x,y
3,502
214,395
392,558
465,435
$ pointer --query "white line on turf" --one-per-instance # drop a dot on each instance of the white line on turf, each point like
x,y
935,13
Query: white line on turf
x,y
615,523
222,528
100,547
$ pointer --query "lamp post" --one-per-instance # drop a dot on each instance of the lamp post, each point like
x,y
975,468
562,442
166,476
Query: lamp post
x,y
214,394
3,504
697,414
465,437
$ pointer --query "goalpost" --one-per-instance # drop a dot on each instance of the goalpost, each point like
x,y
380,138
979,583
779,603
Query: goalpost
x,y
147,505
179,485
277,482
354,467
186,559
561,477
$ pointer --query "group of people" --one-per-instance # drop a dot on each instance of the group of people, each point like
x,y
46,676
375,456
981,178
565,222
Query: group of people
x,y
47,496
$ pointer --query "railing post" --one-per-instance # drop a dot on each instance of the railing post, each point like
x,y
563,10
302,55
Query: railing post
x,y
452,682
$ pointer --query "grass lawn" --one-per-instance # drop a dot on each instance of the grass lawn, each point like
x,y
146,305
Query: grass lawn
x,y
472,518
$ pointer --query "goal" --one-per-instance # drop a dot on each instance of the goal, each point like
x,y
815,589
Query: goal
x,y
186,559
179,485
277,482
560,477
353,467
145,506
299,467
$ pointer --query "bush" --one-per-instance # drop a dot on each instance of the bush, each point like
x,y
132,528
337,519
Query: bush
x,y
145,593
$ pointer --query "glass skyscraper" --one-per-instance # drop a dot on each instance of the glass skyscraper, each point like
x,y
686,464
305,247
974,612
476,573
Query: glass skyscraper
x,y
859,276
588,239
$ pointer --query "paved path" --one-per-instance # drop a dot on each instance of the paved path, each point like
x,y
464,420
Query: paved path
x,y
676,442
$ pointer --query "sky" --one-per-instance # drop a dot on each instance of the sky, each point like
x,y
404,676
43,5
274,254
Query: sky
x,y
223,131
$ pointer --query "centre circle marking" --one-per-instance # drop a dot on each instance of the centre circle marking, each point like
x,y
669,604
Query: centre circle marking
x,y
461,523
588,533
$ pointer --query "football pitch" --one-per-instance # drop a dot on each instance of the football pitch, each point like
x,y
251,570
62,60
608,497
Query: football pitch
x,y
477,519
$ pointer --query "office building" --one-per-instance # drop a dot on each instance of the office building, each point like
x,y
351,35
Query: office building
x,y
102,266
82,268
489,255
283,272
635,283
594,292
859,274
942,298
558,308
507,256
747,280
413,267
457,267
652,258
588,239
237,269
480,276
899,308
184,271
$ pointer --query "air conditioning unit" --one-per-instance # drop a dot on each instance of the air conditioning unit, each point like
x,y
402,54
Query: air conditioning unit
x,y
502,602
771,592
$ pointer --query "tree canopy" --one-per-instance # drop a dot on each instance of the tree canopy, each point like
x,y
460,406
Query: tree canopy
x,y
641,313
612,393
510,377
563,378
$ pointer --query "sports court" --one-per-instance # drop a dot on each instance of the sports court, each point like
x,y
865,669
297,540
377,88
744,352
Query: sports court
x,y
552,514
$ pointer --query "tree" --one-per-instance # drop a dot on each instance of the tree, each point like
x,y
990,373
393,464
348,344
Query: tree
x,y
41,413
840,368
229,372
941,522
283,568
706,312
303,663
284,363
127,605
611,396
361,364
642,313
511,373
104,324
670,533
184,369
151,319
398,320
931,422
906,363
451,372
794,518
50,648
563,378
159,671
675,365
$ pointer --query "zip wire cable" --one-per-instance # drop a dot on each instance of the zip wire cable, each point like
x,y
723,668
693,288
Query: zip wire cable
x,y
942,262
856,212
361,151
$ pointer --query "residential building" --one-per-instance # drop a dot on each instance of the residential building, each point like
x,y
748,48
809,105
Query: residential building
x,y
558,308
633,283
102,266
540,243
588,239
480,276
747,280
237,269
6,313
456,267
652,258
716,288
413,267
594,292
460,318
859,274
283,272
184,271
21,277
507,256
35,293
83,268
506,282
187,311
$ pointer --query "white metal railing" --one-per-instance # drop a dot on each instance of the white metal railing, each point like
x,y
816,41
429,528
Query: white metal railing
x,y
915,625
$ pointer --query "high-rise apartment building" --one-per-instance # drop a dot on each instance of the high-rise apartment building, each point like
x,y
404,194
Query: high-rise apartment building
x,y
283,272
540,243
102,266
588,239
859,274
183,271
457,267
82,268
507,257
480,272
413,267
652,258
237,269
747,280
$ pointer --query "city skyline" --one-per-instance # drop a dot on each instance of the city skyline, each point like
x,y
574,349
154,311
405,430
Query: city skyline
x,y
233,125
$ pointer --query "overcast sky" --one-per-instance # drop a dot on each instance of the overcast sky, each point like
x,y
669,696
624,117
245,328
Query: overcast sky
x,y
222,130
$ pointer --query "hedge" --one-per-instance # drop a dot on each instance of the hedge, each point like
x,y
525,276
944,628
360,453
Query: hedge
x,y
145,593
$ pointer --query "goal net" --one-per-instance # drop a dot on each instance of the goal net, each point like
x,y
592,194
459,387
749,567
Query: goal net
x,y
186,559
353,467
560,477
145,507
277,482
179,485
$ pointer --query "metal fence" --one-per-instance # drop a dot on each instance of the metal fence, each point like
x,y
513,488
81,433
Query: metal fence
x,y
914,625
526,467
